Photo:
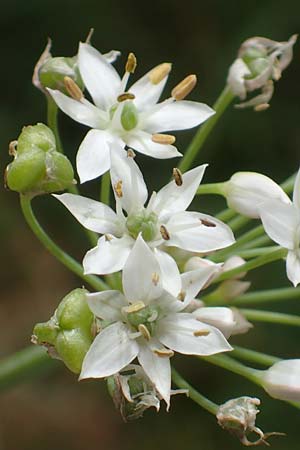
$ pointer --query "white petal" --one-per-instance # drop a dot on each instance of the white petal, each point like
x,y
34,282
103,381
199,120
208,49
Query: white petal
x,y
99,76
107,305
91,214
293,267
236,78
280,222
141,274
220,317
81,111
282,380
157,368
134,189
296,194
146,93
142,142
188,230
171,280
93,157
109,256
194,280
176,331
111,350
173,198
112,56
180,115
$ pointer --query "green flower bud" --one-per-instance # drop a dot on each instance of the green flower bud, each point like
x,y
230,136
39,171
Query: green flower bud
x,y
38,135
51,74
72,346
46,333
26,172
140,223
129,116
73,311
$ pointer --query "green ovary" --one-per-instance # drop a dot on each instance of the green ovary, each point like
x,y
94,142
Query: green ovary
x,y
142,223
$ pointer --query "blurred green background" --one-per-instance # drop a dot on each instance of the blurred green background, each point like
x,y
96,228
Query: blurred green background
x,y
54,411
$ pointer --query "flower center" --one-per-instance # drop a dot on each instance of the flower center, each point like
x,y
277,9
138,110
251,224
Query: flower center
x,y
144,223
129,116
143,319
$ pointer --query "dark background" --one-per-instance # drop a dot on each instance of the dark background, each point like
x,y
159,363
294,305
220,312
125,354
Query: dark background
x,y
54,411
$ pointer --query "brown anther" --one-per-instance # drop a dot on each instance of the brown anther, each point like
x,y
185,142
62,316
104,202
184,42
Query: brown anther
x,y
261,107
12,148
181,296
130,153
164,233
181,90
165,139
201,333
73,89
159,72
108,237
207,223
177,175
118,189
144,331
155,278
131,63
164,353
125,96
135,307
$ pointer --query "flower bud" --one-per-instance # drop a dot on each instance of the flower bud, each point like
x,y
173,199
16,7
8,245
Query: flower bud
x,y
246,191
54,70
38,135
282,380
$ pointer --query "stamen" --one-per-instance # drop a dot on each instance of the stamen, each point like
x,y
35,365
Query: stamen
x,y
177,175
135,307
164,233
144,331
155,278
12,148
130,153
165,139
159,72
131,63
207,223
184,88
181,296
261,107
108,237
73,89
164,353
125,96
201,333
118,189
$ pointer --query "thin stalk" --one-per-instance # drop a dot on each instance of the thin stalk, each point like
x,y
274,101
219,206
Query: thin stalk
x,y
271,317
193,394
54,249
238,222
52,121
203,132
254,356
225,215
210,188
228,363
252,252
105,189
269,295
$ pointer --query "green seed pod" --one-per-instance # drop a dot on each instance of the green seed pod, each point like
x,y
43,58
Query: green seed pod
x,y
46,332
129,116
59,172
72,346
38,135
73,311
52,73
26,172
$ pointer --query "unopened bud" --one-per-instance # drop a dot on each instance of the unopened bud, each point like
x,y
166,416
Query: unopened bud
x,y
184,88
159,72
282,380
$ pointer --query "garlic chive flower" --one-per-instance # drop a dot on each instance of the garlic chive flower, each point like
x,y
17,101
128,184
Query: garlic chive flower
x,y
129,117
163,223
146,323
282,380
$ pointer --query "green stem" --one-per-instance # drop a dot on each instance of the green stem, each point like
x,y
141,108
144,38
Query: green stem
x,y
225,215
271,317
238,222
269,295
105,189
52,121
200,137
252,252
254,356
193,394
257,242
23,365
210,188
228,363
54,249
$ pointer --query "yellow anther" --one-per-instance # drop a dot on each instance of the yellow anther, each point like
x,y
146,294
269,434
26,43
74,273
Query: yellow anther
x,y
164,233
165,139
261,107
155,278
207,223
159,72
125,96
135,307
131,63
201,333
118,189
164,353
73,89
108,237
144,331
183,89
177,175
181,296
12,148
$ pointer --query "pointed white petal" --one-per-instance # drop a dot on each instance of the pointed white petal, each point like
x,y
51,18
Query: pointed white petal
x,y
280,222
219,317
141,274
82,111
93,157
125,170
180,115
173,198
157,368
236,78
198,232
111,350
99,76
109,256
107,305
112,55
194,280
142,142
296,194
146,93
176,331
91,214
171,280
293,267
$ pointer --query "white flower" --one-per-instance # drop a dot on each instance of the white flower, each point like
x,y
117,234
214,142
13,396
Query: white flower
x,y
163,223
282,380
281,222
131,118
146,322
